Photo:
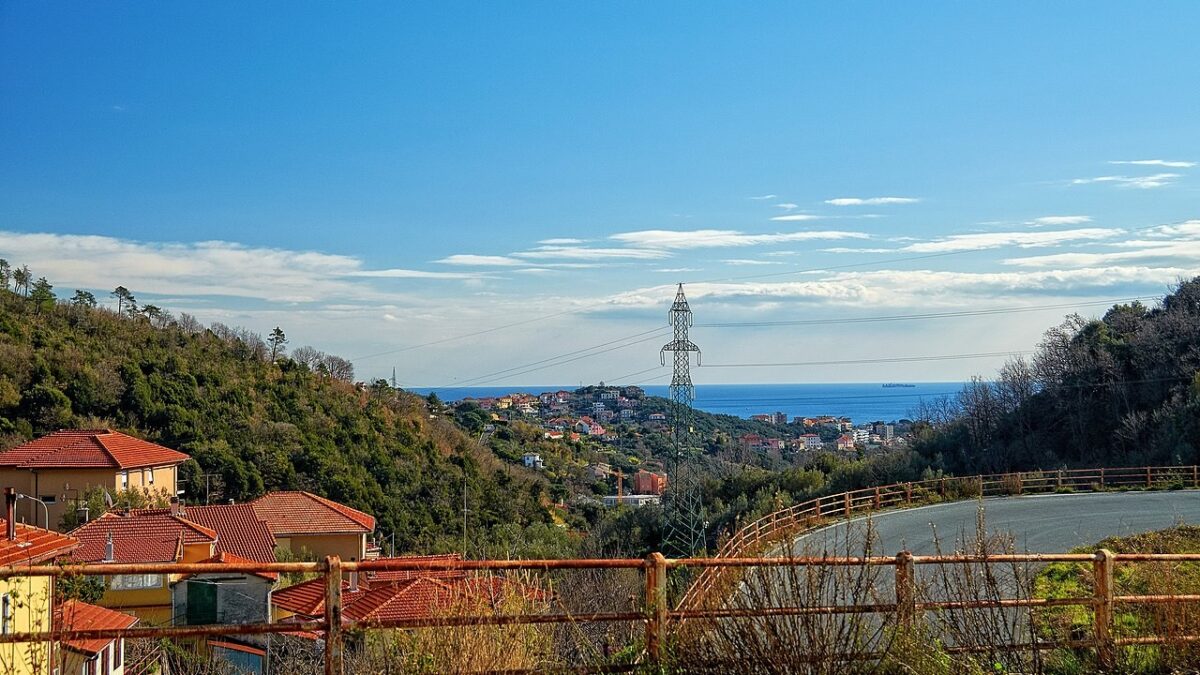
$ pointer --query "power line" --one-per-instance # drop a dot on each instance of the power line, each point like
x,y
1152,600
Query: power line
x,y
897,359
922,316
464,336
475,381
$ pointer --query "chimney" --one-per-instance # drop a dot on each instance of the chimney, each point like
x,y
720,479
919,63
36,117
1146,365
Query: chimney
x,y
10,512
108,548
176,507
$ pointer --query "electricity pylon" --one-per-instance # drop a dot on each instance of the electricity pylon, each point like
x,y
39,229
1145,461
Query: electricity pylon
x,y
683,531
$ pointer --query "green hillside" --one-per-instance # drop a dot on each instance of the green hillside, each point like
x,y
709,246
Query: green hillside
x,y
252,423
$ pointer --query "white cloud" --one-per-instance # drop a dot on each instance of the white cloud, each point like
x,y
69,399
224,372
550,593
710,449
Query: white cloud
x,y
685,239
870,201
1177,244
208,268
586,253
795,217
480,260
763,197
911,288
858,250
1059,220
561,241
1140,182
983,240
673,270
788,206
1173,164
535,270
748,261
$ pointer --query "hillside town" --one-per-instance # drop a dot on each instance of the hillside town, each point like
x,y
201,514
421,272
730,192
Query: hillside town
x,y
617,420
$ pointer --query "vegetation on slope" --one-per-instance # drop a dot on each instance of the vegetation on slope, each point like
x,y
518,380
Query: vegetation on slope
x,y
1122,389
254,423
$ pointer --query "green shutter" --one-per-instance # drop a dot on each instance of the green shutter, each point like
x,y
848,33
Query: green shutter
x,y
201,603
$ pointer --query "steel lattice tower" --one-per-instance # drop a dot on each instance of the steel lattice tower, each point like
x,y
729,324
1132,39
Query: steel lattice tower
x,y
683,531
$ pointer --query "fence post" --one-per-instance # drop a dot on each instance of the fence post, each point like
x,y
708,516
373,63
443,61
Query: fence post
x,y
1058,480
656,606
906,601
908,494
1102,583
1149,483
1020,483
1101,478
333,615
1195,476
942,488
878,500
846,495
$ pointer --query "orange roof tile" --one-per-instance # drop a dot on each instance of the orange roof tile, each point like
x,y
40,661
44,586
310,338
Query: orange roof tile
x,y
227,557
154,537
298,513
239,530
89,448
76,615
33,545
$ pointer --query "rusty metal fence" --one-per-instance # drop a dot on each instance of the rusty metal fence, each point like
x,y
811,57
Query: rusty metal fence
x,y
759,535
659,620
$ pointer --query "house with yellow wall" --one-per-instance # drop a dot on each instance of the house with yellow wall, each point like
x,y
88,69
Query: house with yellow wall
x,y
26,601
58,470
313,526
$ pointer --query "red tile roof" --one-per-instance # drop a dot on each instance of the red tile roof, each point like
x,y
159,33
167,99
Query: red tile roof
x,y
150,537
410,594
231,558
33,545
89,448
300,513
239,530
76,615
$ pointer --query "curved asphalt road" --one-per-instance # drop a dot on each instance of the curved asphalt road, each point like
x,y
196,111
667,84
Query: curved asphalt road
x,y
1038,523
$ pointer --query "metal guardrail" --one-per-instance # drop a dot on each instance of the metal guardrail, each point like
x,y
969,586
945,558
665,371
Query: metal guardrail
x,y
656,615
753,538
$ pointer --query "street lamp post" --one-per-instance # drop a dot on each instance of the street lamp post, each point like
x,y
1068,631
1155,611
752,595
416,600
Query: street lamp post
x,y
44,508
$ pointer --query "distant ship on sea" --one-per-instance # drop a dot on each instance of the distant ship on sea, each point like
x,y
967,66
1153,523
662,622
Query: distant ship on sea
x,y
890,385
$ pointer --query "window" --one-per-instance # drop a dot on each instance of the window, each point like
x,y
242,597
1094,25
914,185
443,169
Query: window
x,y
104,661
6,614
118,652
89,667
49,499
124,480
150,477
134,582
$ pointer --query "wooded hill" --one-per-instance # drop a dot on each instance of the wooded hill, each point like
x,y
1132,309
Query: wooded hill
x,y
254,419
1120,390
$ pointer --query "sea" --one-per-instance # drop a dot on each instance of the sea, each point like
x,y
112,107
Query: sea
x,y
861,402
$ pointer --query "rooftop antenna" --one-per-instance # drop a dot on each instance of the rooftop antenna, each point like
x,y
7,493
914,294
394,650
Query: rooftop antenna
x,y
393,377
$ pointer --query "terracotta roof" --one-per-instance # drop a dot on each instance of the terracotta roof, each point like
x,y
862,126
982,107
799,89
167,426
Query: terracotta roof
x,y
89,448
139,538
76,615
298,513
231,558
239,529
404,575
33,545
401,595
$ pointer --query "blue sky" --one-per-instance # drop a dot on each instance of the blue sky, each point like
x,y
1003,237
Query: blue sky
x,y
374,176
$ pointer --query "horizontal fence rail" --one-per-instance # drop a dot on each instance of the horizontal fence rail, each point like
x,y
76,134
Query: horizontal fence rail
x,y
656,616
773,528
